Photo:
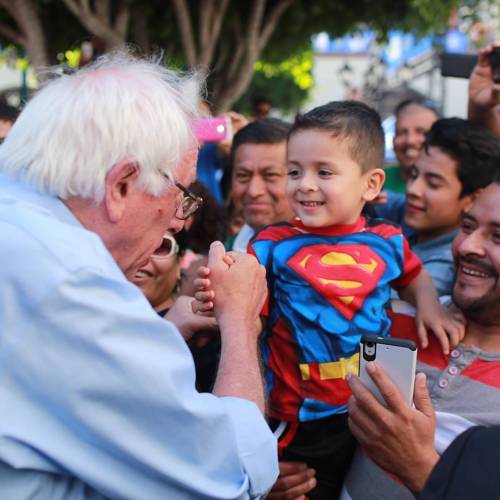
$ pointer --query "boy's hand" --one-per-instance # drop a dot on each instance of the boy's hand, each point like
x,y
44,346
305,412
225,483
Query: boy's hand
x,y
204,295
445,324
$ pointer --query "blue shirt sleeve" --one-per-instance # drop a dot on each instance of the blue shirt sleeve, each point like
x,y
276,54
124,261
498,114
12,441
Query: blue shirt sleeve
x,y
97,395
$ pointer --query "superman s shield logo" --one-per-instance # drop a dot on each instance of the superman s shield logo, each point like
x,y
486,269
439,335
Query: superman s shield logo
x,y
343,274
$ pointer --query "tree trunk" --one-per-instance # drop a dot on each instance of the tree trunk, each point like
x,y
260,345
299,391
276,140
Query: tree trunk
x,y
31,35
98,20
230,71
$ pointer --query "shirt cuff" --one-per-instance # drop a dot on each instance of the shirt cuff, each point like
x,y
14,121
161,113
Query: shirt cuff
x,y
257,446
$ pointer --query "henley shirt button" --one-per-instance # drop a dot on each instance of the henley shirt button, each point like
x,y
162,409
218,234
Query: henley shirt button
x,y
453,370
455,353
443,383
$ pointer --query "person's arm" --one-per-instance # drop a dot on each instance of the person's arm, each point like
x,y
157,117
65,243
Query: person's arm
x,y
239,293
398,438
431,315
484,94
181,314
125,417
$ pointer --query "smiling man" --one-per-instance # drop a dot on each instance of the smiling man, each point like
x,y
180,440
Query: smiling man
x,y
258,157
462,389
97,392
458,159
414,118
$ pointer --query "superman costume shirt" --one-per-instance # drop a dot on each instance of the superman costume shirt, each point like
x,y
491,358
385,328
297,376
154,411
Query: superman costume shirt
x,y
327,287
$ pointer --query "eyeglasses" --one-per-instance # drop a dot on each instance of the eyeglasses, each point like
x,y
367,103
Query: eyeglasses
x,y
167,248
189,204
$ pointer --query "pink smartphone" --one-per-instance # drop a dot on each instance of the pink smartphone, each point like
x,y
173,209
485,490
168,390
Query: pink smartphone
x,y
216,129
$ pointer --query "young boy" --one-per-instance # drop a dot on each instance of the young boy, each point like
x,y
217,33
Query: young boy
x,y
329,274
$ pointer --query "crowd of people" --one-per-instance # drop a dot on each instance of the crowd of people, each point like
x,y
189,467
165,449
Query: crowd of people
x,y
182,320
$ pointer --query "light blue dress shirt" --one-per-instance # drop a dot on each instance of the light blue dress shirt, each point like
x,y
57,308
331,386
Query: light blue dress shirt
x,y
97,393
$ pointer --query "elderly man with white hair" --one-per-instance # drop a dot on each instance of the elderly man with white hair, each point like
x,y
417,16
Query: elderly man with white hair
x,y
97,393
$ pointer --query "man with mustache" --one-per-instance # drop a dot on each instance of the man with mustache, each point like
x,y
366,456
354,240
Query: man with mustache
x,y
456,392
258,180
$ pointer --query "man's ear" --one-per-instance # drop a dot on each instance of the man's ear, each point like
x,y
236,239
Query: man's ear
x,y
120,183
469,199
374,180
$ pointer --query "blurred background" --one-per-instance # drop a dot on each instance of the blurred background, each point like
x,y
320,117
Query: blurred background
x,y
264,57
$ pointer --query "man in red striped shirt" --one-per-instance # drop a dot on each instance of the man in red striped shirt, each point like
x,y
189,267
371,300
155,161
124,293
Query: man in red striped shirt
x,y
458,391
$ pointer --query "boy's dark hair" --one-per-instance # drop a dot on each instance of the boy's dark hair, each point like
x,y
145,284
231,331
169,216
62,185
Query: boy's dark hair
x,y
422,102
267,131
496,179
475,149
351,120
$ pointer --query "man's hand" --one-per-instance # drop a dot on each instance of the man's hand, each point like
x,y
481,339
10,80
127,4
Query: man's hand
x,y
238,285
294,481
483,92
398,438
181,314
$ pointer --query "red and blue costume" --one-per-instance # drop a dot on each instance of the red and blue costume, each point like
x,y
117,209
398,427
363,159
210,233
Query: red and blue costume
x,y
327,287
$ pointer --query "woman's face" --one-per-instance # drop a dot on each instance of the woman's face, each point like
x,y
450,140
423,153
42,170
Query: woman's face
x,y
159,277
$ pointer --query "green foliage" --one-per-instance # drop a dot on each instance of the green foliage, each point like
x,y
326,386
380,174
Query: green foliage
x,y
286,84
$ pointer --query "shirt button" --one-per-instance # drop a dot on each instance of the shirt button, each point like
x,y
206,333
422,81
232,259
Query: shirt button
x,y
443,383
455,353
453,370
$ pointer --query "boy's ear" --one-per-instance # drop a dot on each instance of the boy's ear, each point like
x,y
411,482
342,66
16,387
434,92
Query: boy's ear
x,y
374,179
120,183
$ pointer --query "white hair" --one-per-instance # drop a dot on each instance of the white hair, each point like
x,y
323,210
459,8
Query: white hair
x,y
78,126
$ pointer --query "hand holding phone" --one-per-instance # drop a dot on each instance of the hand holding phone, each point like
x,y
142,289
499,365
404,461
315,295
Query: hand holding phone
x,y
397,357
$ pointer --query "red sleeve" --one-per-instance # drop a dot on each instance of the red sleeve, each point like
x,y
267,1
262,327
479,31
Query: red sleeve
x,y
411,266
265,308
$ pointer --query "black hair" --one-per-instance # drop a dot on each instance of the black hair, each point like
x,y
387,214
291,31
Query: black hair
x,y
354,121
207,225
415,101
475,149
8,113
496,179
266,131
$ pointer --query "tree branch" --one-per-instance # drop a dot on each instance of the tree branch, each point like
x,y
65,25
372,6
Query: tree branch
x,y
254,24
13,35
122,19
204,21
102,11
94,23
208,48
181,10
271,20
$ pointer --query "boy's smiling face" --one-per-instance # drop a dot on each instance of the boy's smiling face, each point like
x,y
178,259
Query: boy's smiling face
x,y
325,185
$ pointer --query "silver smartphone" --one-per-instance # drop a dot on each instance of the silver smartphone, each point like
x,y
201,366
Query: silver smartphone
x,y
398,358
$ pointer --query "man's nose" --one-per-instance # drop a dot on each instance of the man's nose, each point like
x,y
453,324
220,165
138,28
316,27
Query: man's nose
x,y
414,138
473,243
256,186
176,224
